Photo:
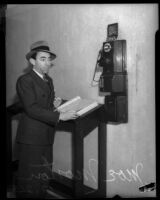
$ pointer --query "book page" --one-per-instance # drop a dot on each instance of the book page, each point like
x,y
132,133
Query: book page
x,y
70,105
78,104
87,108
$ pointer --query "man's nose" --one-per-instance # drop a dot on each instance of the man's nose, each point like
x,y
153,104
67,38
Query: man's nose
x,y
48,62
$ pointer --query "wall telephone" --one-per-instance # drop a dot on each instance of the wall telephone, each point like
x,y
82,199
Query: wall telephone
x,y
114,79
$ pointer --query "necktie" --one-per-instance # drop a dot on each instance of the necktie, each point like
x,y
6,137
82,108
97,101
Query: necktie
x,y
45,78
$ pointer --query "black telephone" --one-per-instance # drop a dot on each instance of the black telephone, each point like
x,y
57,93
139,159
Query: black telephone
x,y
112,59
113,80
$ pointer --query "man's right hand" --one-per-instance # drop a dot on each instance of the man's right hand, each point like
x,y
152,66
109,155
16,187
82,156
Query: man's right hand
x,y
64,116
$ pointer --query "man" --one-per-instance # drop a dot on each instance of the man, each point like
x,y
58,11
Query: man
x,y
35,133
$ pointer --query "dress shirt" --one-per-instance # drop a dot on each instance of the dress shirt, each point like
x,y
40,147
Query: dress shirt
x,y
40,75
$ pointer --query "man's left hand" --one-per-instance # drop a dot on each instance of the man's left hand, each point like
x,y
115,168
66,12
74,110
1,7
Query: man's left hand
x,y
57,102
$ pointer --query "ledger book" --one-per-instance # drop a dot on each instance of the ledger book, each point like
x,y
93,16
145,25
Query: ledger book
x,y
79,105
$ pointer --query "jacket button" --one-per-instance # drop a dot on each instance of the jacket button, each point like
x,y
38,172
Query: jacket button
x,y
43,95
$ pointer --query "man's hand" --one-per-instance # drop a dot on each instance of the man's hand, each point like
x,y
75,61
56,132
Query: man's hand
x,y
64,116
57,102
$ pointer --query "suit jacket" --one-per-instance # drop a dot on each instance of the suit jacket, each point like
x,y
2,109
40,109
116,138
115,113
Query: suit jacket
x,y
38,121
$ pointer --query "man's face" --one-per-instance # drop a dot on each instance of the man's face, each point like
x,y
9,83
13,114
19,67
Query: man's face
x,y
42,62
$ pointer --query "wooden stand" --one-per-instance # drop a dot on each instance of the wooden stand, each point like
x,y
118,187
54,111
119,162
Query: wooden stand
x,y
80,128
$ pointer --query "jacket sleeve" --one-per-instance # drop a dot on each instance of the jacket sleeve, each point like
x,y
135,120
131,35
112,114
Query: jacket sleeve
x,y
27,95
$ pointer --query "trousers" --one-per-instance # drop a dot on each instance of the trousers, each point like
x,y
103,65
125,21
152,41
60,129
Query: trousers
x,y
34,170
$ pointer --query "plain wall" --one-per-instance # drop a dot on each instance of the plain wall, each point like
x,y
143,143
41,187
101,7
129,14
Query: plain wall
x,y
76,34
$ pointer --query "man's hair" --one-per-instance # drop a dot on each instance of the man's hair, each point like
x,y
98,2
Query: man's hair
x,y
34,56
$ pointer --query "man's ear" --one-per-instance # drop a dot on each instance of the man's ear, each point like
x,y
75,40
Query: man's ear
x,y
32,61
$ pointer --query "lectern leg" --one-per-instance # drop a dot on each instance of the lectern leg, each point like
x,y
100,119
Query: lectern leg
x,y
102,160
77,162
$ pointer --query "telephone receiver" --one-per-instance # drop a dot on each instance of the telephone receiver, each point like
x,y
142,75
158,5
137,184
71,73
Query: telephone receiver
x,y
98,70
100,55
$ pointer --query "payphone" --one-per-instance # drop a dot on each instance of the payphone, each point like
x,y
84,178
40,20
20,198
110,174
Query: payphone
x,y
113,82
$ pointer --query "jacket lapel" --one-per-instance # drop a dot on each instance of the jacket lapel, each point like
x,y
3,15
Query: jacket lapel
x,y
52,93
39,81
49,82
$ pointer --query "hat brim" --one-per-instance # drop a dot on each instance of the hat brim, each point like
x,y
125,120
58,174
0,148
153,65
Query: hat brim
x,y
31,53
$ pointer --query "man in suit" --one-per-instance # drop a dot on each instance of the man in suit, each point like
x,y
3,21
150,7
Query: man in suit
x,y
35,134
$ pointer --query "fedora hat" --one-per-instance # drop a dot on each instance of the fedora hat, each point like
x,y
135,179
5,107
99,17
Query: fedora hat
x,y
39,46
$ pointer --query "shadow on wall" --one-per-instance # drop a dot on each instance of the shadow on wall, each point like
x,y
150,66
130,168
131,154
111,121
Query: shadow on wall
x,y
28,68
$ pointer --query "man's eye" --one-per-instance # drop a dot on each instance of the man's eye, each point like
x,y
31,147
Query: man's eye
x,y
44,59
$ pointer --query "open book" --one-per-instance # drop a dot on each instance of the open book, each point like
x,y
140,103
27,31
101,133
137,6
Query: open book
x,y
79,105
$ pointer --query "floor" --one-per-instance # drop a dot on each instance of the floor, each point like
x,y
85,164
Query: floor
x,y
51,194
